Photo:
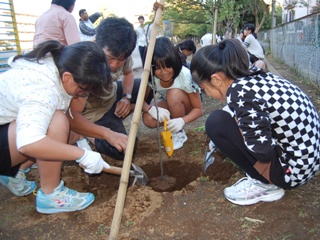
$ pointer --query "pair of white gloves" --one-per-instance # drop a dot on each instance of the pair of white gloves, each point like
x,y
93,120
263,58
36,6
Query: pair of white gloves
x,y
174,125
92,162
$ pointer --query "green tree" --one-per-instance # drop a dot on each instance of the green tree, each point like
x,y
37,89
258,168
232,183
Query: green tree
x,y
189,11
260,11
230,14
316,8
190,17
198,15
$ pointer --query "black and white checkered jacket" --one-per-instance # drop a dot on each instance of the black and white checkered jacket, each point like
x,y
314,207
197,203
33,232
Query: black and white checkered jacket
x,y
273,113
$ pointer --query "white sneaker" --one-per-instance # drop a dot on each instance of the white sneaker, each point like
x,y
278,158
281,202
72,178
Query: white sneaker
x,y
179,138
83,143
211,145
34,166
249,191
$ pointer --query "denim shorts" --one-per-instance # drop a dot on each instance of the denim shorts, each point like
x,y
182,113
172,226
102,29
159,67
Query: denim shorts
x,y
5,158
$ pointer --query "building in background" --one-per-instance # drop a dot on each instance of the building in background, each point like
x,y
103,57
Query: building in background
x,y
294,9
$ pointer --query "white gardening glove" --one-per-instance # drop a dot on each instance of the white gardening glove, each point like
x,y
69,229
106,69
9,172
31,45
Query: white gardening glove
x,y
163,113
92,162
176,124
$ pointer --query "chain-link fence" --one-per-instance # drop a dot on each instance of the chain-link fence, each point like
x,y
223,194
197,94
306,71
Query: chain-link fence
x,y
297,44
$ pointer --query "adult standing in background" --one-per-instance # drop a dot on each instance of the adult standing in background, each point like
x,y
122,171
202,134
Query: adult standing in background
x,y
57,23
141,37
86,27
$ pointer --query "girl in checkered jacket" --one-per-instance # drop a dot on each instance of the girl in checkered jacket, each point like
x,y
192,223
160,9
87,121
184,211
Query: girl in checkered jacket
x,y
271,129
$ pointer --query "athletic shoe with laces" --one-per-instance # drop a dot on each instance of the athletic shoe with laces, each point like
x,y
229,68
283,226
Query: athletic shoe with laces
x,y
179,138
18,185
62,199
249,191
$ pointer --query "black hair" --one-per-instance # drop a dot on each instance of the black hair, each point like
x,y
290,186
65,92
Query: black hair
x,y
251,27
66,4
81,11
117,35
86,61
228,57
187,44
165,55
140,17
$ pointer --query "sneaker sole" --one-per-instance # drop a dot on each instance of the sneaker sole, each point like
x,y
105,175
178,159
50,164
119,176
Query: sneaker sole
x,y
265,198
61,210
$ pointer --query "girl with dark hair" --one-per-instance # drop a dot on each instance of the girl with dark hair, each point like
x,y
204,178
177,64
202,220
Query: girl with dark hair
x,y
271,129
35,95
254,48
180,98
185,49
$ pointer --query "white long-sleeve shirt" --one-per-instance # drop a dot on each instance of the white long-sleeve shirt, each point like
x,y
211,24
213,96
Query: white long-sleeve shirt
x,y
253,46
141,37
30,93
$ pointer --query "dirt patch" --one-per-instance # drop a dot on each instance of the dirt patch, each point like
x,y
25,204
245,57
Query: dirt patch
x,y
179,202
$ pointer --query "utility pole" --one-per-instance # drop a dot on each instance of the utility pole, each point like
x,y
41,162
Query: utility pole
x,y
273,14
214,34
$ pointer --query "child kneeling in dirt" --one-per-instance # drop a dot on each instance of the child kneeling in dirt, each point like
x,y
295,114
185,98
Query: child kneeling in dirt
x,y
180,101
272,131
35,95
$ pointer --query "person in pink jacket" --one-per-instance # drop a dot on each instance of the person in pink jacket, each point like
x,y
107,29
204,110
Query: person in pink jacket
x,y
57,23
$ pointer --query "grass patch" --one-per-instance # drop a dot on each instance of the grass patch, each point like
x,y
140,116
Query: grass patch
x,y
204,179
130,223
200,129
103,230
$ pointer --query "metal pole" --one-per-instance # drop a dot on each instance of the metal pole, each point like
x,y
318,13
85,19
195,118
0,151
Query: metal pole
x,y
273,14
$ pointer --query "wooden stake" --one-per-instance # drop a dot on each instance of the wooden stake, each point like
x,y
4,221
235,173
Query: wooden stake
x,y
118,211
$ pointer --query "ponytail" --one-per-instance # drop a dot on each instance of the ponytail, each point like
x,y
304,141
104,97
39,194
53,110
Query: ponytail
x,y
52,46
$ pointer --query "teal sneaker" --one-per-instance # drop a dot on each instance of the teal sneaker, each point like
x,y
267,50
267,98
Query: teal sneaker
x,y
62,199
18,185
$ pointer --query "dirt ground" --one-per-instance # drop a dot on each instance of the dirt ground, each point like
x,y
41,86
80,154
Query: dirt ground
x,y
191,207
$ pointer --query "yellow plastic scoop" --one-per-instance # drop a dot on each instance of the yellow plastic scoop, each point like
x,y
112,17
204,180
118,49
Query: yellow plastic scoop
x,y
166,137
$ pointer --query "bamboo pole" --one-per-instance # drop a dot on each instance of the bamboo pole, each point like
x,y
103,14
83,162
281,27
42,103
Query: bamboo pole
x,y
116,221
